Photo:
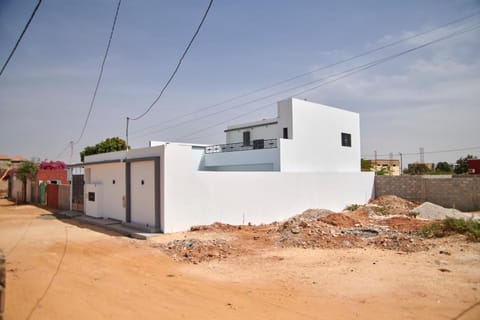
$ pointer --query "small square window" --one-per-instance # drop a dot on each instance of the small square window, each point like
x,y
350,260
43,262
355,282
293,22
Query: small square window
x,y
346,139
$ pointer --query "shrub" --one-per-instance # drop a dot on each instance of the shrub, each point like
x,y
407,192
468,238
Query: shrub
x,y
450,226
352,207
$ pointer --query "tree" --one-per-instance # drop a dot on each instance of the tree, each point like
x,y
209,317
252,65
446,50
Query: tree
x,y
417,168
366,165
26,170
107,145
443,167
461,165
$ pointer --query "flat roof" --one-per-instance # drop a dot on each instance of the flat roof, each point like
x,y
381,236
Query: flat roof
x,y
259,123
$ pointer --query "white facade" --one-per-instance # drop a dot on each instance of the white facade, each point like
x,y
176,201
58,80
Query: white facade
x,y
307,138
170,186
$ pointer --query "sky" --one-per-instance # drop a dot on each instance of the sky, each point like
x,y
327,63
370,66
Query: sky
x,y
427,98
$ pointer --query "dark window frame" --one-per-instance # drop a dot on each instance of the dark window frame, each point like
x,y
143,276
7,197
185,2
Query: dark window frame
x,y
346,139
247,138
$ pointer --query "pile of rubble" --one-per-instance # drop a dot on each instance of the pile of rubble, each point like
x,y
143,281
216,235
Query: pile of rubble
x,y
196,251
359,228
388,222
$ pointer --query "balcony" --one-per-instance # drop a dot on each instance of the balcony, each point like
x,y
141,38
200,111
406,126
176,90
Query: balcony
x,y
230,147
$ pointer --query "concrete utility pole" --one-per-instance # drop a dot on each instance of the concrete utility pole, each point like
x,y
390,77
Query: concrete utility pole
x,y
71,152
401,163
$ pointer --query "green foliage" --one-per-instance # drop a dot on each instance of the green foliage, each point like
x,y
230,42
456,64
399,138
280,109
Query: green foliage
x,y
352,207
382,172
449,226
27,170
107,145
417,169
381,210
443,167
366,165
461,165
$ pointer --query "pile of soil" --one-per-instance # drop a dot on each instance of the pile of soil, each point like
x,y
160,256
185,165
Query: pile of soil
x,y
371,225
196,251
392,205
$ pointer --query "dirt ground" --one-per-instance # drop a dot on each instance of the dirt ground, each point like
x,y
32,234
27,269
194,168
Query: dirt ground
x,y
318,265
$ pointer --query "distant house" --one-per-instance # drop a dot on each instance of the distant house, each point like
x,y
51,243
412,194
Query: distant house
x,y
7,166
390,166
306,157
474,166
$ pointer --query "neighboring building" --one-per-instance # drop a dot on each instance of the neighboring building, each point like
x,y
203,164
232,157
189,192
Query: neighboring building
x,y
307,157
58,176
7,164
474,166
390,166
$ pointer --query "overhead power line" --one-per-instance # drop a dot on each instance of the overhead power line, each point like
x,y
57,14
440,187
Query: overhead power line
x,y
174,71
427,152
178,64
330,79
21,36
99,79
365,53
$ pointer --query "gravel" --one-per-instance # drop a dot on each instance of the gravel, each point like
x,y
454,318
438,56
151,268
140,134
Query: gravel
x,y
431,211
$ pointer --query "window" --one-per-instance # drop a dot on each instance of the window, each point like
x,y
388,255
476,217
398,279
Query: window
x,y
285,133
346,139
246,138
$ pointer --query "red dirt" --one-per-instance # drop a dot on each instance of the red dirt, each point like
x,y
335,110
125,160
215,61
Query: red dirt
x,y
340,220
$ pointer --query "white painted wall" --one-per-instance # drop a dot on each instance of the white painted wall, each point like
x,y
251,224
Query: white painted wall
x,y
313,144
94,208
142,195
112,194
196,197
316,139
263,158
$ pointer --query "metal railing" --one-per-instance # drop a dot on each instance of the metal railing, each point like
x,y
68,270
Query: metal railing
x,y
255,145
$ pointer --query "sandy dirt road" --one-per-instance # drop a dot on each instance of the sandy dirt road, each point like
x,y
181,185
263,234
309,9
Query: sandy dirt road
x,y
61,269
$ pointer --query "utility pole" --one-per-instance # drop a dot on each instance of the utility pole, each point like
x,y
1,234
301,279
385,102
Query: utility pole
x,y
71,152
128,120
401,163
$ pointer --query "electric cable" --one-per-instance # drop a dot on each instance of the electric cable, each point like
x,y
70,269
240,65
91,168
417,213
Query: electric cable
x,y
21,36
336,77
92,102
178,65
311,72
428,152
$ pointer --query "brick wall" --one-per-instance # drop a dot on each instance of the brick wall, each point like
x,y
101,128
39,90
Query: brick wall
x,y
45,175
460,192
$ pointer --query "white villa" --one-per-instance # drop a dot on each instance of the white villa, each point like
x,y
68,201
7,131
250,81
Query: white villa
x,y
306,157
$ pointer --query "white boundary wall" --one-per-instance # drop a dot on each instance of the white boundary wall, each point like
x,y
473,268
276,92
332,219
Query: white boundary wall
x,y
190,197
202,197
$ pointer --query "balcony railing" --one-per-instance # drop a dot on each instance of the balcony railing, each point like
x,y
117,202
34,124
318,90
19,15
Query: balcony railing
x,y
255,145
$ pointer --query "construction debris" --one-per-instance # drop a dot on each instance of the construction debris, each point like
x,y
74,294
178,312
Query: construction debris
x,y
386,223
428,210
